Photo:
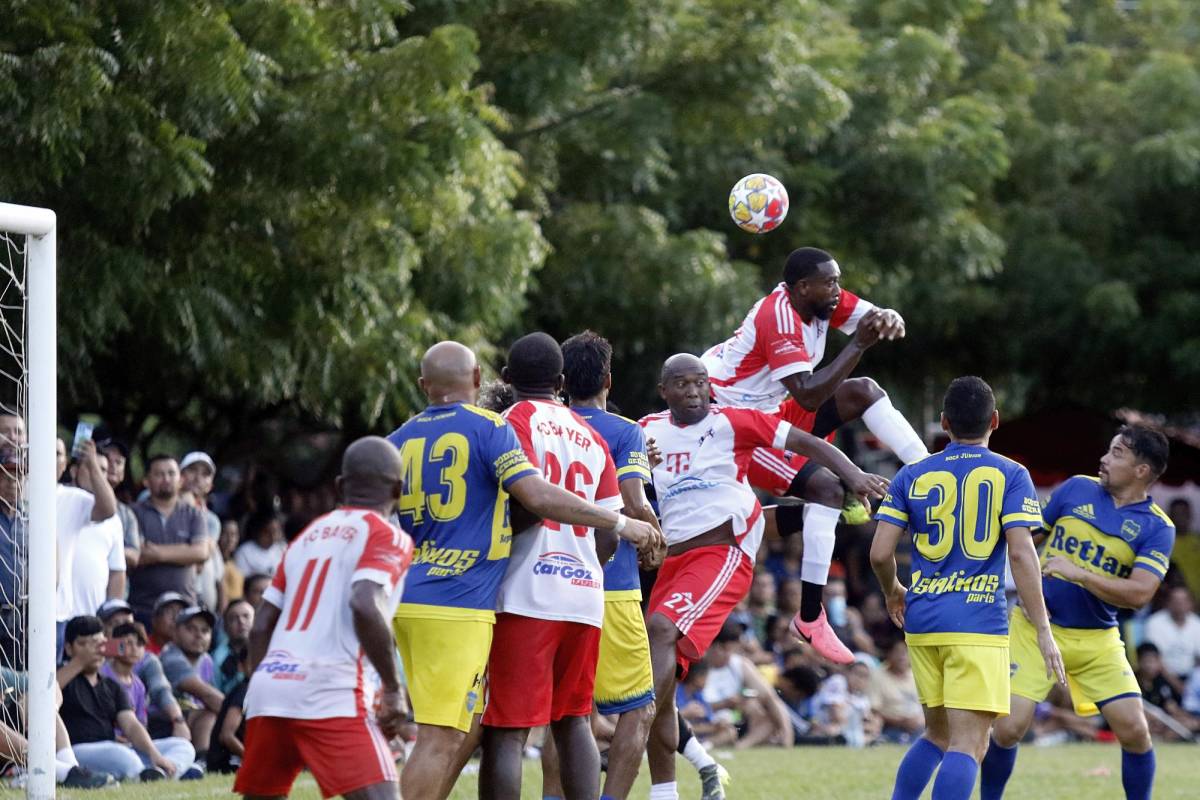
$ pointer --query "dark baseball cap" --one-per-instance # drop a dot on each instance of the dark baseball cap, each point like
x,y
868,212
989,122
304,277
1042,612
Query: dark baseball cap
x,y
112,606
191,612
166,598
113,443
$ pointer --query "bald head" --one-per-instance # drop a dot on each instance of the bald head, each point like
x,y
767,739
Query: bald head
x,y
681,364
449,373
371,474
684,385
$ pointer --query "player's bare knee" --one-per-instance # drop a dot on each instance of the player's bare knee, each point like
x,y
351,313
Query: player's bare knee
x,y
825,489
1135,736
856,395
661,631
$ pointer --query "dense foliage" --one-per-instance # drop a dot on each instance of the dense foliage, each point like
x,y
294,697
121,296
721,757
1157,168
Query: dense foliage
x,y
269,208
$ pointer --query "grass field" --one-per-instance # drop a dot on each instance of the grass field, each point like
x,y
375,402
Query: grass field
x,y
1067,772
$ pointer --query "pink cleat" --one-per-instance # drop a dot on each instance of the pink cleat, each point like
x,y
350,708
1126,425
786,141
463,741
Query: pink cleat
x,y
822,638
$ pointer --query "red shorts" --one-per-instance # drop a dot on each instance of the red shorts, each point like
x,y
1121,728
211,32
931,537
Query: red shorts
x,y
540,671
343,754
774,470
696,590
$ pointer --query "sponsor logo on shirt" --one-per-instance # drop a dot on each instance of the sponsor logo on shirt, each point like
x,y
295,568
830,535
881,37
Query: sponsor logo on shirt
x,y
565,566
280,665
688,484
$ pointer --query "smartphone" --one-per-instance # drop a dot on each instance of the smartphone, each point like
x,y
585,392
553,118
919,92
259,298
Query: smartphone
x,y
83,432
113,648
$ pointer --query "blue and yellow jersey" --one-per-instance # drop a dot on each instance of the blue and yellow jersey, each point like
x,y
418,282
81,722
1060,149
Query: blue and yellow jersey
x,y
458,462
957,504
1086,527
627,445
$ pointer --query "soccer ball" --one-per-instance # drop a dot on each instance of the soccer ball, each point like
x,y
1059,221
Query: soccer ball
x,y
758,203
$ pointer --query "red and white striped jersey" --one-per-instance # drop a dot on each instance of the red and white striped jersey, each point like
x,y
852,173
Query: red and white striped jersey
x,y
772,343
553,571
701,481
315,667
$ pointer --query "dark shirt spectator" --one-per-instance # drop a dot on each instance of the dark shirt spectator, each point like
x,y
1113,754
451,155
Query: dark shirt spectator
x,y
226,746
174,540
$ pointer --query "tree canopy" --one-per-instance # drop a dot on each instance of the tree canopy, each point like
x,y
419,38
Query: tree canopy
x,y
269,208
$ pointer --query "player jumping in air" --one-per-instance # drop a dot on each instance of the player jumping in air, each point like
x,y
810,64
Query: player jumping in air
x,y
964,507
320,640
460,464
770,363
1108,546
713,524
551,603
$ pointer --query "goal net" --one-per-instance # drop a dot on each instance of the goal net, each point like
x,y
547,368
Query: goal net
x,y
27,516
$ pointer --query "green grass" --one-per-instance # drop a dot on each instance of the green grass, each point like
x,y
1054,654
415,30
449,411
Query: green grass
x,y
1067,772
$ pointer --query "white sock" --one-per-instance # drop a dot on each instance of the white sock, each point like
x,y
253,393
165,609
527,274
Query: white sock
x,y
63,761
694,752
664,791
820,523
891,428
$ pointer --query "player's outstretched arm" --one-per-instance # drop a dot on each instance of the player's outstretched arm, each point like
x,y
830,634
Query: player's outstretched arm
x,y
862,484
547,501
265,619
811,389
1023,558
1133,592
883,563
375,636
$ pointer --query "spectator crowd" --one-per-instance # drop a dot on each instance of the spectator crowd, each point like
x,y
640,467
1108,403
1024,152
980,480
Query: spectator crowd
x,y
159,581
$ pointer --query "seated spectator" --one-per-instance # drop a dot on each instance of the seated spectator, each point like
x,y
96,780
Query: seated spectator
x,y
232,578
797,686
95,706
255,586
189,668
264,547
1175,631
1162,691
893,695
162,623
165,717
689,699
846,622
876,622
117,453
786,565
174,541
1191,693
14,542
229,733
237,621
761,605
736,691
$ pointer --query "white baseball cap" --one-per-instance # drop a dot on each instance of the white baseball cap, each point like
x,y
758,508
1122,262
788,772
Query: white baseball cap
x,y
197,457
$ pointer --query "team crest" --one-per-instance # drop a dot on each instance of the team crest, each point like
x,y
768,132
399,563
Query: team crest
x,y
1130,530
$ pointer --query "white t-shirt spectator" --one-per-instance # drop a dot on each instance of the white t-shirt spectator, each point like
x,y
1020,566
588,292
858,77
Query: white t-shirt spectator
x,y
252,559
1178,644
74,512
99,550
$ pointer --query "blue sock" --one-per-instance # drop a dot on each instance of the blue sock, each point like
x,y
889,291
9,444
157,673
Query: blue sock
x,y
916,768
1137,774
607,797
995,770
956,778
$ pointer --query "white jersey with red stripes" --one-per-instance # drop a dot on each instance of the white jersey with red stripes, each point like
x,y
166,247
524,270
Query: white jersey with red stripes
x,y
315,667
701,481
772,343
553,571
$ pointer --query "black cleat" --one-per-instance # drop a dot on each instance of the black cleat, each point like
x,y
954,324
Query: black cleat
x,y
84,778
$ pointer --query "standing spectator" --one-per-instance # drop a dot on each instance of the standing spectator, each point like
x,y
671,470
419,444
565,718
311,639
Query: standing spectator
x,y
893,693
91,501
13,543
227,745
95,705
197,471
164,715
118,478
1185,556
264,546
1175,631
98,568
232,579
237,621
190,669
162,622
12,431
173,540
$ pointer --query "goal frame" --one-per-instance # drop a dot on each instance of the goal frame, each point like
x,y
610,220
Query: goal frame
x,y
40,226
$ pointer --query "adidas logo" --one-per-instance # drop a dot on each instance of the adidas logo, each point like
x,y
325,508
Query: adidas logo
x,y
1086,511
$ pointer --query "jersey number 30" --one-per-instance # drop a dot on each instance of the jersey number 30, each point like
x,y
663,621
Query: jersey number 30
x,y
977,525
447,499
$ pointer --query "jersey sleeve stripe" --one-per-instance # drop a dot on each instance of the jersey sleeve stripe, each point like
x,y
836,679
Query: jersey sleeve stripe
x,y
1150,565
769,461
516,470
782,431
1021,518
892,515
633,471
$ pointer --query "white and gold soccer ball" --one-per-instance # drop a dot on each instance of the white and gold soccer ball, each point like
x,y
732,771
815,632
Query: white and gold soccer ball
x,y
758,203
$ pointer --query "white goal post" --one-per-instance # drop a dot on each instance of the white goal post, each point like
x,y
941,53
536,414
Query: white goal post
x,y
38,225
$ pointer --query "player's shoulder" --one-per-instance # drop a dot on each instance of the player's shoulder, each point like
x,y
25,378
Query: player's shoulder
x,y
1079,485
656,417
1161,517
475,412
1009,465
